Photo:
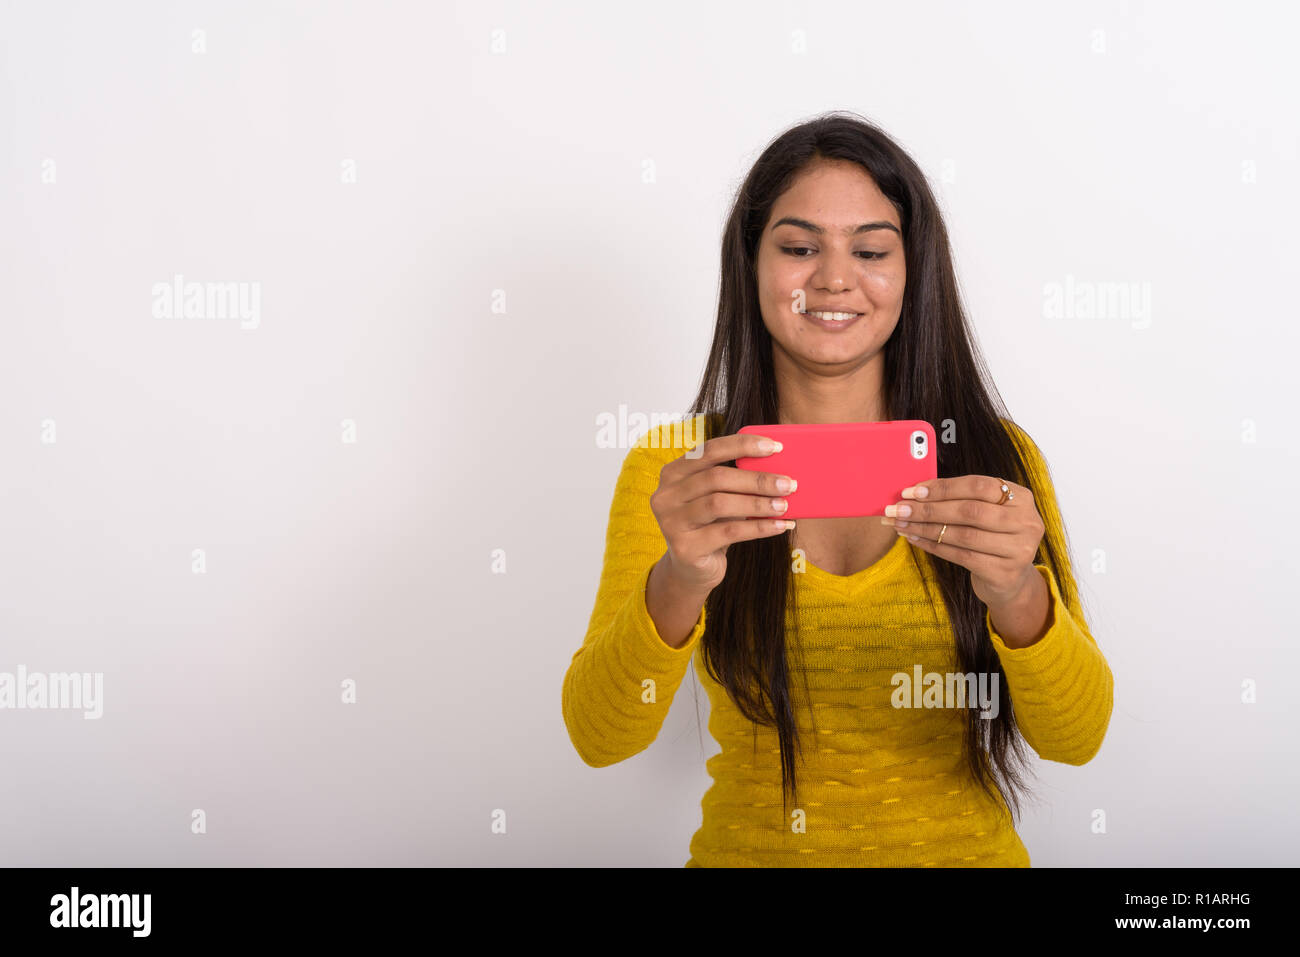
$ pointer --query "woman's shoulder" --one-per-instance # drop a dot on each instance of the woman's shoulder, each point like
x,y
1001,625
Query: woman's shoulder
x,y
669,440
1027,449
1017,433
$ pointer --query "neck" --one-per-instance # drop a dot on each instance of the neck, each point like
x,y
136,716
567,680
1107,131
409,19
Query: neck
x,y
808,398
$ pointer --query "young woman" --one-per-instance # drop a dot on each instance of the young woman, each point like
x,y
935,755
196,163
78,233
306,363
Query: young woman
x,y
839,304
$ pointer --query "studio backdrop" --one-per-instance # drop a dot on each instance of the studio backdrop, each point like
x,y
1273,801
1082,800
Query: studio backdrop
x,y
325,330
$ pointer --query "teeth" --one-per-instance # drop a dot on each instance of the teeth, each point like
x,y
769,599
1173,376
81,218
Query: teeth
x,y
832,316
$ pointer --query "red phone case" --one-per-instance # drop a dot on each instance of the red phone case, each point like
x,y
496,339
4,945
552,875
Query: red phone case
x,y
847,469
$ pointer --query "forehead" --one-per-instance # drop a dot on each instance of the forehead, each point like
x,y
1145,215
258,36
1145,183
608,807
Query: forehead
x,y
835,194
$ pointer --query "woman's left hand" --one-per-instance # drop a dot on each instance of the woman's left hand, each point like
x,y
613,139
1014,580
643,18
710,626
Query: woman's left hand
x,y
997,543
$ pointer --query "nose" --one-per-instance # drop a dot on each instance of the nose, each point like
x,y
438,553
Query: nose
x,y
833,271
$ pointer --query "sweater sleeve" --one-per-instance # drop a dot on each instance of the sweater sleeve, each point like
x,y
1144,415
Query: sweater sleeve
x,y
1061,687
621,682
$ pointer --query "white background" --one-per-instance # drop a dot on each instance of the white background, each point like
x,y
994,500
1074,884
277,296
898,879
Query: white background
x,y
1103,141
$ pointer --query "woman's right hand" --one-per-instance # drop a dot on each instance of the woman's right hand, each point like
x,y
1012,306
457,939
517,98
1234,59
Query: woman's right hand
x,y
703,506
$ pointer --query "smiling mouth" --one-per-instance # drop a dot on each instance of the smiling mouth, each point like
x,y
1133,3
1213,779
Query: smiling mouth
x,y
832,317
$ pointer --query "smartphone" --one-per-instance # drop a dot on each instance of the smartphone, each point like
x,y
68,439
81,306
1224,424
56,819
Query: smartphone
x,y
846,469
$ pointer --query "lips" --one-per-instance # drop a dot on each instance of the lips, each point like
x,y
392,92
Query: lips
x,y
831,315
831,324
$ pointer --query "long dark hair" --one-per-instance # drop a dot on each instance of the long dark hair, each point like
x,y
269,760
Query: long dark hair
x,y
933,371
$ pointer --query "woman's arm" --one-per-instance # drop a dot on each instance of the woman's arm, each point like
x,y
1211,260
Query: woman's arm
x,y
1061,687
621,682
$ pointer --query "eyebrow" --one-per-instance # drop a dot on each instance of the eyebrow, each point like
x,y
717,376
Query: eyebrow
x,y
814,228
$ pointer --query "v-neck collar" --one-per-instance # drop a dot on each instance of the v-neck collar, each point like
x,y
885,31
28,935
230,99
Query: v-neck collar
x,y
851,585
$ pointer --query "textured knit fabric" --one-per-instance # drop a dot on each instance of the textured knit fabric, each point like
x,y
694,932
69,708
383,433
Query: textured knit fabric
x,y
879,785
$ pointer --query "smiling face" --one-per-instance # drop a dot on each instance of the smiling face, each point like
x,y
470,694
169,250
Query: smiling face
x,y
832,244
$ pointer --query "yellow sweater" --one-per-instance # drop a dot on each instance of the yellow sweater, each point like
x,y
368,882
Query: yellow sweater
x,y
878,785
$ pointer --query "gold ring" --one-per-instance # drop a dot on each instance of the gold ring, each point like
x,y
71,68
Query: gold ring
x,y
1007,494
940,538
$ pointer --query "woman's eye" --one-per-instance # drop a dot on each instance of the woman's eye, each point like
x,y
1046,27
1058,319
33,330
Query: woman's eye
x,y
796,250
